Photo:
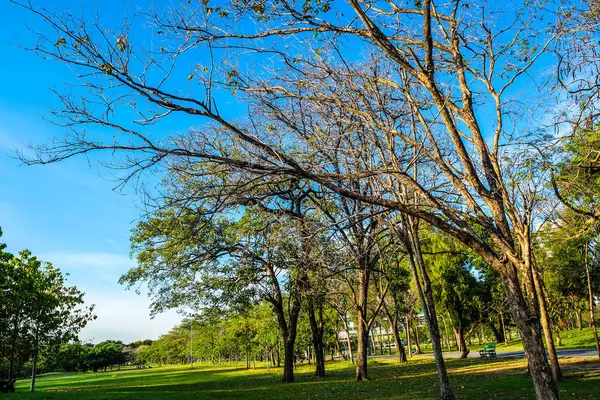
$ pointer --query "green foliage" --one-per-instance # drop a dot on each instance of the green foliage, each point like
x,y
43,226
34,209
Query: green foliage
x,y
459,294
578,173
238,336
38,311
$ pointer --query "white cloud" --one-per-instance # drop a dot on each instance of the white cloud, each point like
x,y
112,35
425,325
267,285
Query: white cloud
x,y
122,315
125,316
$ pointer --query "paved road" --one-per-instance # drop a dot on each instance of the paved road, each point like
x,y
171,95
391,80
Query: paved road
x,y
566,353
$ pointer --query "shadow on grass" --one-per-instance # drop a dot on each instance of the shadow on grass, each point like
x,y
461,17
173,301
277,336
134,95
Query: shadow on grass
x,y
471,379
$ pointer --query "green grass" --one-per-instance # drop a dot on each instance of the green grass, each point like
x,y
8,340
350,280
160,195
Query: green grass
x,y
571,339
471,379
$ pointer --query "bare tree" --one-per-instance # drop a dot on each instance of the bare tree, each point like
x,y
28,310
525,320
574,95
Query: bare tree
x,y
417,99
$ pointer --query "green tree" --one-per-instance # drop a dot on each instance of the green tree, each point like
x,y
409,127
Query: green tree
x,y
39,311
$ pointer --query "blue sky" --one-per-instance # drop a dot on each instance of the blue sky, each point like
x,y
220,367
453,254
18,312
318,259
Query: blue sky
x,y
66,213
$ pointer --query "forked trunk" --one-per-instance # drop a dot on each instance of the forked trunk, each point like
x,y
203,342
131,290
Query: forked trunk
x,y
320,359
499,336
460,334
416,336
529,326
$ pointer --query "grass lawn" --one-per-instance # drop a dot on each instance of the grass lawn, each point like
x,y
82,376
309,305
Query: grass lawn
x,y
471,379
571,339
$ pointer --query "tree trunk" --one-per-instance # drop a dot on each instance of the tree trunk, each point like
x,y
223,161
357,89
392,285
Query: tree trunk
x,y
288,360
288,326
373,345
363,326
591,300
480,335
278,353
529,326
416,335
426,296
400,349
461,340
446,333
380,340
579,321
546,326
407,329
349,346
506,337
497,334
34,370
396,332
361,350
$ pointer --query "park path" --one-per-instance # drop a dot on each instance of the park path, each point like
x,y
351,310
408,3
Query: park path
x,y
563,353
567,353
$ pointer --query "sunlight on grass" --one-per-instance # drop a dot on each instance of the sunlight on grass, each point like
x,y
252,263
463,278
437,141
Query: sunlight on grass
x,y
471,379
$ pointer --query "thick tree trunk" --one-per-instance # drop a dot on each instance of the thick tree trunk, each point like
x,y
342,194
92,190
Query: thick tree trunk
x,y
288,360
529,326
361,350
546,325
579,320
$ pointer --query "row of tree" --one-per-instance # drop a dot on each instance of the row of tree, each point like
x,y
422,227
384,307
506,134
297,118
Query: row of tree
x,y
467,294
38,312
82,357
365,128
